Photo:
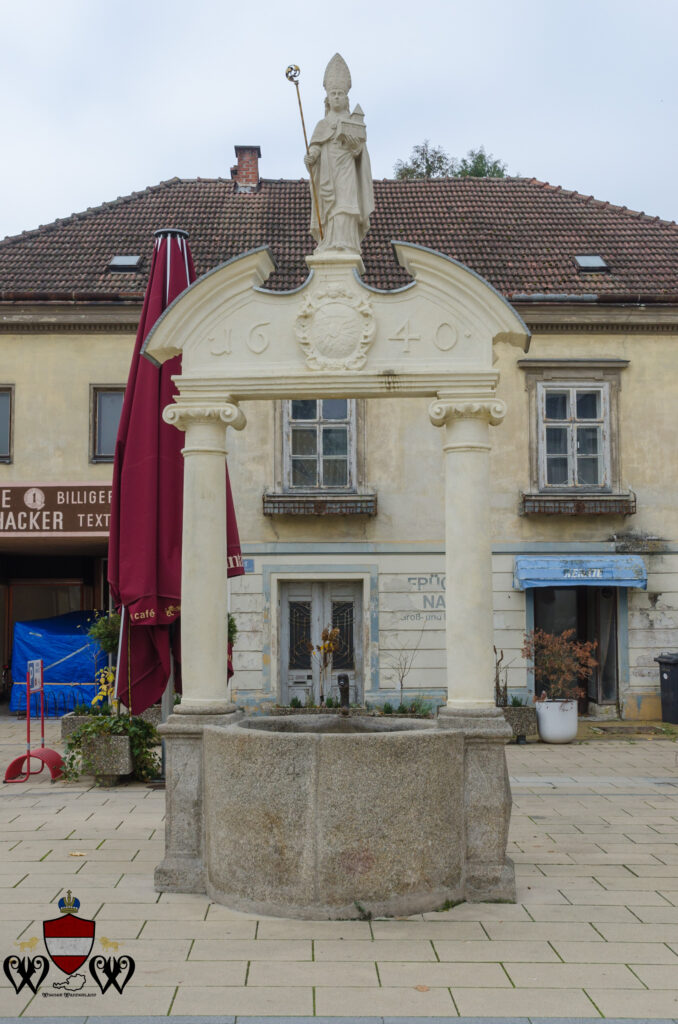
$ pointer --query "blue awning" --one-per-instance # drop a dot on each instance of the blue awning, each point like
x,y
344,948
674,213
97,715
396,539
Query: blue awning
x,y
582,571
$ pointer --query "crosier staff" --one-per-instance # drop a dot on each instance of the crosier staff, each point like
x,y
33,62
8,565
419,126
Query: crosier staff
x,y
292,75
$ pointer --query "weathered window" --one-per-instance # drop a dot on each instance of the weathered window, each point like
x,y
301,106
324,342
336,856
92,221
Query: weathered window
x,y
319,444
106,409
574,438
574,433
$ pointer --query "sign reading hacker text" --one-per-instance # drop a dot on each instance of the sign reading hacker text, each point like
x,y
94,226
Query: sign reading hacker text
x,y
39,510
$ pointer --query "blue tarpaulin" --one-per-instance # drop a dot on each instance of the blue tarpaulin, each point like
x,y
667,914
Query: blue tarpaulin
x,y
70,660
68,654
581,571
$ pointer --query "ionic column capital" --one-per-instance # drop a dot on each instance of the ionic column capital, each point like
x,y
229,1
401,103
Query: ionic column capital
x,y
447,408
182,416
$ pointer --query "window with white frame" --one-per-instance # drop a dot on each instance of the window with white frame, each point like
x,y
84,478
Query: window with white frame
x,y
573,435
106,409
6,424
319,444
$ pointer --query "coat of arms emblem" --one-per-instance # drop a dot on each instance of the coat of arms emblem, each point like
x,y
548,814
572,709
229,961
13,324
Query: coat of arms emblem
x,y
69,939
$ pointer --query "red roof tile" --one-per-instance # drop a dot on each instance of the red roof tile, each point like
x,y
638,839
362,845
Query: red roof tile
x,y
521,235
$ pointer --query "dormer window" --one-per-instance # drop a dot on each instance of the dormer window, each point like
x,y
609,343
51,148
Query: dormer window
x,y
591,263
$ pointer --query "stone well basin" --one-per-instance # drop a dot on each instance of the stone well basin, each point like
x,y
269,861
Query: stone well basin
x,y
334,817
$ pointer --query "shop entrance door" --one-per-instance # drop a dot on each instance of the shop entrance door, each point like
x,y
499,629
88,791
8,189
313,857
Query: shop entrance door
x,y
306,609
592,613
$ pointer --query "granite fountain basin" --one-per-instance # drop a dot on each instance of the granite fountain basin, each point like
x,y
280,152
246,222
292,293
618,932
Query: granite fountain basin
x,y
334,817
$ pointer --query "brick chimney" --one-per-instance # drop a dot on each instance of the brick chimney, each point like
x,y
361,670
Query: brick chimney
x,y
246,172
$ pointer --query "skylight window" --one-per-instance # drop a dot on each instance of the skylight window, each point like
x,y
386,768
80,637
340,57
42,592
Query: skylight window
x,y
591,262
124,264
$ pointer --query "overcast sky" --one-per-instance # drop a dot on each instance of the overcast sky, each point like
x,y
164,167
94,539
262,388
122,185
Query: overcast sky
x,y
100,99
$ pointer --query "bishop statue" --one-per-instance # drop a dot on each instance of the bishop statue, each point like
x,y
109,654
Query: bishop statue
x,y
339,164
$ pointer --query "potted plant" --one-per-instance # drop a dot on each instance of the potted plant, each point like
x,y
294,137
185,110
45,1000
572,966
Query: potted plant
x,y
101,705
561,665
108,745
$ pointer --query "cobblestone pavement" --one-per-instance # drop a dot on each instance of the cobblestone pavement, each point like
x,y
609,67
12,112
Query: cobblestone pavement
x,y
594,933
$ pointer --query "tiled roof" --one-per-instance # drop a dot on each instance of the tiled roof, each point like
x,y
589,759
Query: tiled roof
x,y
521,235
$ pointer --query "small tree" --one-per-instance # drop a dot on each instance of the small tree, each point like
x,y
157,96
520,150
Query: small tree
x,y
427,161
561,663
105,629
479,164
400,661
500,679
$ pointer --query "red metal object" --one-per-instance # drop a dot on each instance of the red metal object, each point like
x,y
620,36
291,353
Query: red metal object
x,y
19,770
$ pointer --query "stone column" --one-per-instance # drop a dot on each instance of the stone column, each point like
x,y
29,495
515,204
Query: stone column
x,y
471,712
204,639
468,545
204,582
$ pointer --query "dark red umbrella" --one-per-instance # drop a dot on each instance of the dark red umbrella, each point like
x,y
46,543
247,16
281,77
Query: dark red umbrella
x,y
144,549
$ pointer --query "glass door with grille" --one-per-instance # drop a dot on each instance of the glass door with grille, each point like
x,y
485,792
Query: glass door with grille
x,y
307,609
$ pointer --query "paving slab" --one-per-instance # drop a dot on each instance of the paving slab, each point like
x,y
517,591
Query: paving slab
x,y
595,929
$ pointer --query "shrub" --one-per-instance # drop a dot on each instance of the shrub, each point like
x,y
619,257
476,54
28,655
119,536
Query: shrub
x,y
419,706
387,708
295,702
105,629
561,663
91,709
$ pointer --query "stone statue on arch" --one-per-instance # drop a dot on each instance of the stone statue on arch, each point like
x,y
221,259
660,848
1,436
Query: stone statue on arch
x,y
340,165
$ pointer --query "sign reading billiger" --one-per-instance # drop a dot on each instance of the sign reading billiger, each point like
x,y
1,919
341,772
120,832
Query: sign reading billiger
x,y
47,510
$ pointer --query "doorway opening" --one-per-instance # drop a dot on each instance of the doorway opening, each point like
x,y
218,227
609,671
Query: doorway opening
x,y
306,609
592,613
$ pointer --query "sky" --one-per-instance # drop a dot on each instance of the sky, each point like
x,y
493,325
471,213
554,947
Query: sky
x,y
101,99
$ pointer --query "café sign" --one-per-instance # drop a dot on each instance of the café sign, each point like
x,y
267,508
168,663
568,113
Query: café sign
x,y
49,510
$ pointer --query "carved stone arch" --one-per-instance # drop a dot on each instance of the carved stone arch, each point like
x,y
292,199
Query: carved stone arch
x,y
335,335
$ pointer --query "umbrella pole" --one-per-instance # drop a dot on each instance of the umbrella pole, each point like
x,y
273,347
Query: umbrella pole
x,y
117,662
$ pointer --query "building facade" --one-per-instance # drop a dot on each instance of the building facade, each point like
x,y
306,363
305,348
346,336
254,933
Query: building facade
x,y
340,501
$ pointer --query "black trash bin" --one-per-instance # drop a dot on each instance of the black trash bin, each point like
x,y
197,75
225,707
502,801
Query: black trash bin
x,y
668,676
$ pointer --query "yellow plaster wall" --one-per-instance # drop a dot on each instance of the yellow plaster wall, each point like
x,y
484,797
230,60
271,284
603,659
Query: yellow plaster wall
x,y
647,432
404,456
52,374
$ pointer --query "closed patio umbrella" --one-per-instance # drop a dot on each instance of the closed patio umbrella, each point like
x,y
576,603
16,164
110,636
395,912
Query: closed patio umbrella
x,y
144,555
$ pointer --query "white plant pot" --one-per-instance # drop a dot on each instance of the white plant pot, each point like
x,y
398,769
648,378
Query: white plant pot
x,y
557,720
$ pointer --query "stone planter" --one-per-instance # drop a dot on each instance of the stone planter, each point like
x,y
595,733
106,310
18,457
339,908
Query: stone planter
x,y
523,721
109,756
71,722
